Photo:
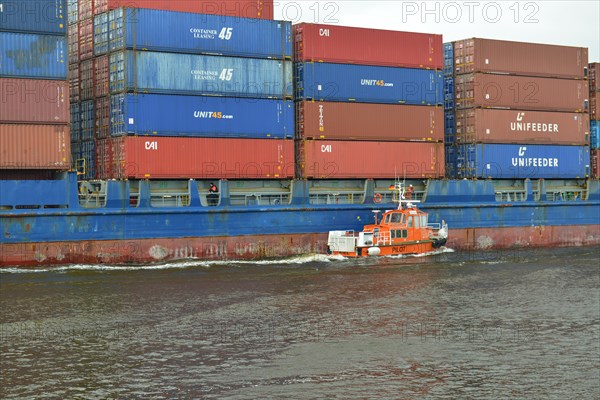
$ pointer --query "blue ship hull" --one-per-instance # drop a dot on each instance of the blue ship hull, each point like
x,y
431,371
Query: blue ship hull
x,y
122,232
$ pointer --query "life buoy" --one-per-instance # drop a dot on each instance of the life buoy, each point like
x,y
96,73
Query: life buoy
x,y
377,198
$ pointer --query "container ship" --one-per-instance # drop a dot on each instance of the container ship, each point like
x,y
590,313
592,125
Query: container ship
x,y
121,115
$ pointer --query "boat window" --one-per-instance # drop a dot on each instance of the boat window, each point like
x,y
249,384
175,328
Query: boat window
x,y
396,218
410,222
403,219
404,234
423,220
387,219
393,234
417,221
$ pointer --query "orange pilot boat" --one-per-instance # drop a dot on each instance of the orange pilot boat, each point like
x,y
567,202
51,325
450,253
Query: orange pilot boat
x,y
405,230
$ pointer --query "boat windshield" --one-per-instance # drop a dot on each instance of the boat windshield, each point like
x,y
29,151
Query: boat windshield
x,y
396,218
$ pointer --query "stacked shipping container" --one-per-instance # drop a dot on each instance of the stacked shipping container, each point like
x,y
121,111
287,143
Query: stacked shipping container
x,y
367,103
211,77
519,110
594,75
34,107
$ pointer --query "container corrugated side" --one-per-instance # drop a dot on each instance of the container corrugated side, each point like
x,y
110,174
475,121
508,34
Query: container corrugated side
x,y
25,146
519,58
87,119
368,84
101,35
73,44
262,9
88,154
101,117
321,159
594,76
203,158
72,12
595,134
86,39
34,16
363,121
448,59
197,33
74,83
86,79
24,55
34,101
101,76
521,93
104,159
513,161
521,127
173,73
75,122
595,163
200,116
595,105
363,46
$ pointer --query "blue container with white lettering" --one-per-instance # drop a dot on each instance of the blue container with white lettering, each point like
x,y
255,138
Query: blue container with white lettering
x,y
200,116
595,134
180,32
368,84
34,16
38,56
513,161
173,73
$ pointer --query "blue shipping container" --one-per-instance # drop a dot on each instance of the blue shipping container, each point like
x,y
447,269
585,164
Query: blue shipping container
x,y
595,134
368,84
513,161
180,32
448,92
75,122
88,153
200,116
34,16
449,127
87,120
101,34
448,59
172,73
33,56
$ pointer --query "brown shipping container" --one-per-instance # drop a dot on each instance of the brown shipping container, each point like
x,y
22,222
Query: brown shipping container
x,y
594,73
478,125
518,58
594,106
104,159
35,147
350,45
182,158
86,39
86,79
521,93
102,117
595,161
361,121
34,101
73,43
101,76
320,159
237,8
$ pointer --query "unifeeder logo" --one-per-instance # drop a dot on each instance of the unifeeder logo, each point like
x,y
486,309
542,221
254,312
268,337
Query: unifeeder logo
x,y
375,82
522,161
520,126
211,115
202,75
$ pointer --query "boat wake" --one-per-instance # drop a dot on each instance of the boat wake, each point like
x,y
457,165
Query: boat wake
x,y
184,264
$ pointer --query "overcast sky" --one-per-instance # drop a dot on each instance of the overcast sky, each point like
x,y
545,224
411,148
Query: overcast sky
x,y
570,23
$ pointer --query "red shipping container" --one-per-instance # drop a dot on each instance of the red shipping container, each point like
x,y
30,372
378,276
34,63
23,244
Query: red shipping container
x,y
595,161
521,93
374,122
348,45
518,58
320,159
238,8
86,39
104,159
102,117
478,125
74,84
34,101
85,9
101,77
206,158
594,74
73,43
86,79
24,146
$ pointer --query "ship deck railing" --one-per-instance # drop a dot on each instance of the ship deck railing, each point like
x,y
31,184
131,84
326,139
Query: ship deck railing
x,y
336,196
